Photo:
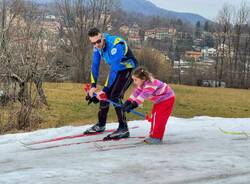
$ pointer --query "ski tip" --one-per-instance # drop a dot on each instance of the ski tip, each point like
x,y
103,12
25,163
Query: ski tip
x,y
234,132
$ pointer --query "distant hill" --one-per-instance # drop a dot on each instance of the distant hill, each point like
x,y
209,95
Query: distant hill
x,y
147,8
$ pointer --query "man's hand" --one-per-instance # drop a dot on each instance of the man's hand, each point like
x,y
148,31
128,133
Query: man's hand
x,y
92,91
91,99
101,95
90,94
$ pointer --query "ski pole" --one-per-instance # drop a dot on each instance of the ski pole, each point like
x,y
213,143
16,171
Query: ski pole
x,y
147,117
133,111
119,105
87,87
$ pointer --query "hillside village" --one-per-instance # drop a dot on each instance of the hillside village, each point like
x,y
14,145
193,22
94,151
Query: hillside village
x,y
201,51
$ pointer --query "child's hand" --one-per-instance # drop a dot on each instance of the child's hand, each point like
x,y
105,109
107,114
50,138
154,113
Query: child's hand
x,y
126,103
128,106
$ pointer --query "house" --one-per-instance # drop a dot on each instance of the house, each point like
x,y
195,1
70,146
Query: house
x,y
134,31
150,33
124,30
224,49
135,39
211,83
209,52
134,34
181,64
198,42
50,17
159,33
212,52
193,55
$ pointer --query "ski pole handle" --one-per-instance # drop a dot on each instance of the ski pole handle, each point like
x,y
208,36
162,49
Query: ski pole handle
x,y
87,87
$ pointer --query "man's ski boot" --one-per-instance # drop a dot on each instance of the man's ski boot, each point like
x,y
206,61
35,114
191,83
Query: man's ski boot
x,y
118,134
95,129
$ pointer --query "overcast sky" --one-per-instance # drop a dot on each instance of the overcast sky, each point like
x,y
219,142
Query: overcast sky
x,y
206,8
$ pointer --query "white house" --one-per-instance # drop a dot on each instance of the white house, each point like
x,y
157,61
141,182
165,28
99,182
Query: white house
x,y
211,51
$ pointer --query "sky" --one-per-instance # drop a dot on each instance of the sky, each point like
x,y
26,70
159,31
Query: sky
x,y
206,8
194,151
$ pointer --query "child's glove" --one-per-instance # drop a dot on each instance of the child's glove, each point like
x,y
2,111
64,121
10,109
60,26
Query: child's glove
x,y
128,106
91,99
126,103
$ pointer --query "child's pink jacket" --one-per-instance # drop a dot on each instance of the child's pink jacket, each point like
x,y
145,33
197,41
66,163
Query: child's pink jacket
x,y
155,91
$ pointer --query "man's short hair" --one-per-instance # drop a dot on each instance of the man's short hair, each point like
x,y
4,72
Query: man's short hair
x,y
93,32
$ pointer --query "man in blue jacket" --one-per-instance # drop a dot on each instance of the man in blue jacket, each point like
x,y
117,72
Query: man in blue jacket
x,y
116,53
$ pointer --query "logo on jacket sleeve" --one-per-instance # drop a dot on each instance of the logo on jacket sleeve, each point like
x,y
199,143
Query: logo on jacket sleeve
x,y
113,51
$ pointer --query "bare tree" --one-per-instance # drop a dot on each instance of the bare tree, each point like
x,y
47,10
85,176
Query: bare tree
x,y
77,17
233,45
239,44
247,51
23,60
223,42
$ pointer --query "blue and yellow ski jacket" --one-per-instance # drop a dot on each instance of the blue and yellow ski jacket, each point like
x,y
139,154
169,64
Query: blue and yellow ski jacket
x,y
116,54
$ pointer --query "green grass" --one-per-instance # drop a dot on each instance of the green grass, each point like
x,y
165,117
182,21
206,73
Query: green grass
x,y
68,105
197,101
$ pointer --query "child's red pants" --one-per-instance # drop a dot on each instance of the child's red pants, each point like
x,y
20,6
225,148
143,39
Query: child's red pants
x,y
159,117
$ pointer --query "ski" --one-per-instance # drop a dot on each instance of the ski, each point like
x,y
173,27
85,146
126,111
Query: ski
x,y
69,137
234,132
77,143
118,146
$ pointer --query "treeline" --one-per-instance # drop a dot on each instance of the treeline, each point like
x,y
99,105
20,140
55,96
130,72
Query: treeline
x,y
229,34
233,42
30,54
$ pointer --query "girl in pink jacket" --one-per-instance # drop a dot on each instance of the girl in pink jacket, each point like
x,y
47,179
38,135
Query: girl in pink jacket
x,y
160,94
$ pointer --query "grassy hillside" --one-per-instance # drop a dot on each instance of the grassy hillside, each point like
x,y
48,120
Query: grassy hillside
x,y
68,106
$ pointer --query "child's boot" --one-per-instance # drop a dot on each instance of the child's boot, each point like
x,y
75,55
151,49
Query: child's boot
x,y
151,140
